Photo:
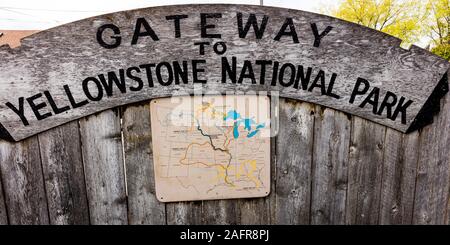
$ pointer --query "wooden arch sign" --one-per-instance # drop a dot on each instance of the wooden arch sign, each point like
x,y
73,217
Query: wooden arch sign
x,y
80,68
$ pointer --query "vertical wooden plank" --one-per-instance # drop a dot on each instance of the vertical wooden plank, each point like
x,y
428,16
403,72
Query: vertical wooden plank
x,y
294,158
103,164
433,176
220,212
23,182
254,211
62,165
399,177
3,214
143,207
272,198
184,213
329,181
365,172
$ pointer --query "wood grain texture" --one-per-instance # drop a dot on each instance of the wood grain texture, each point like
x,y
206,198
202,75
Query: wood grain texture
x,y
221,212
3,213
143,207
294,158
393,178
433,171
254,211
399,177
272,198
23,182
62,165
365,172
330,166
104,170
184,213
68,54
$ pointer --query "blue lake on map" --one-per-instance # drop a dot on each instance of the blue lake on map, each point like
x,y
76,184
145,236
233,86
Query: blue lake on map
x,y
248,123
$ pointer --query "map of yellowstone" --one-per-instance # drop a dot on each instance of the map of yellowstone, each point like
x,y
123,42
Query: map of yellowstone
x,y
211,147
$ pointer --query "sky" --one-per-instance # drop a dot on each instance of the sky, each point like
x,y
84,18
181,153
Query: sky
x,y
44,14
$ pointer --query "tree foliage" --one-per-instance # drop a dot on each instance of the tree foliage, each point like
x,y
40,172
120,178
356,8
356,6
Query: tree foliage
x,y
409,20
438,27
439,20
399,18
442,49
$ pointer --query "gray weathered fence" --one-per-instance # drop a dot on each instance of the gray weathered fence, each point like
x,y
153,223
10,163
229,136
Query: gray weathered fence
x,y
327,168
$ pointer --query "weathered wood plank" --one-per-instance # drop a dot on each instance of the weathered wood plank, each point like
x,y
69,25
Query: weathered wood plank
x,y
184,213
62,165
365,172
272,198
399,177
220,212
294,159
330,166
3,214
433,176
23,182
143,207
104,170
254,211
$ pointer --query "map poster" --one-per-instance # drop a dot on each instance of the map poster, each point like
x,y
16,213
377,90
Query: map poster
x,y
211,147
